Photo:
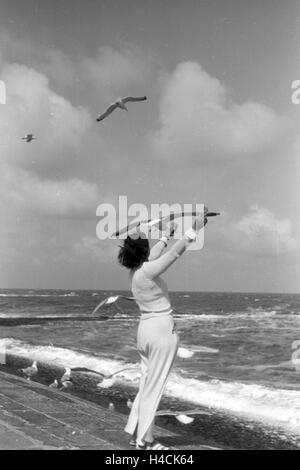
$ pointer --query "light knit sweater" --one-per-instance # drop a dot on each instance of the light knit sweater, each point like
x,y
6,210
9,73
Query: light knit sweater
x,y
151,295
148,288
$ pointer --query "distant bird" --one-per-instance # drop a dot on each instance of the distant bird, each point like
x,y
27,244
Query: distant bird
x,y
129,404
120,103
185,353
182,416
31,371
29,138
109,380
111,406
184,419
111,300
54,384
66,380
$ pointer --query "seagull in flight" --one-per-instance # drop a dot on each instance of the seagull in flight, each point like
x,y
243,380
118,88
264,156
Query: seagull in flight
x,y
186,353
111,300
31,371
120,103
107,380
129,403
29,138
159,223
183,417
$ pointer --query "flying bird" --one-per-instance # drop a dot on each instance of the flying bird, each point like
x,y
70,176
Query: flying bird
x,y
111,300
120,103
31,371
129,404
108,380
186,353
158,223
29,138
183,417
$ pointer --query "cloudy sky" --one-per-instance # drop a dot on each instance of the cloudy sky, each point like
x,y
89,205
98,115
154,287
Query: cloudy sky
x,y
219,128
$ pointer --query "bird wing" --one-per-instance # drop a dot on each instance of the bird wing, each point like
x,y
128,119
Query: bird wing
x,y
109,110
119,371
103,302
99,306
112,300
132,98
85,369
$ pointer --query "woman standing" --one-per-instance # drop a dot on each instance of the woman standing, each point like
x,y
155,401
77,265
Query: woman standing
x,y
157,340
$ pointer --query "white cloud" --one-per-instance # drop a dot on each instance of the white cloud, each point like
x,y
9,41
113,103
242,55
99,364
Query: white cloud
x,y
64,131
260,232
103,251
198,118
109,70
24,193
42,177
116,69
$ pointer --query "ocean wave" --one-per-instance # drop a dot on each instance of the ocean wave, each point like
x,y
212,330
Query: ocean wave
x,y
277,407
256,315
71,294
59,356
250,313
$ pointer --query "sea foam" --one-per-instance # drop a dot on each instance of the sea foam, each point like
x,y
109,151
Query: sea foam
x,y
277,407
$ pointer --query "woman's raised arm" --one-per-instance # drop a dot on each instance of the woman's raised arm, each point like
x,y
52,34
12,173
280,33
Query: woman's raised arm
x,y
158,266
158,248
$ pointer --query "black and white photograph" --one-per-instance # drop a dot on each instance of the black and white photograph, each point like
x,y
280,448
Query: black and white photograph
x,y
149,227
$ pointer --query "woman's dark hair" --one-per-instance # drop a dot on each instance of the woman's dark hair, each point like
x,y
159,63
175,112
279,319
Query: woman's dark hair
x,y
134,252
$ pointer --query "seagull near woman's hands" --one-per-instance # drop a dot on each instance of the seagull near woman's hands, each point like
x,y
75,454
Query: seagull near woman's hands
x,y
29,138
120,103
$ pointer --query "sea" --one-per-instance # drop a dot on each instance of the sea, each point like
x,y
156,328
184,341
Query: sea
x,y
238,367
